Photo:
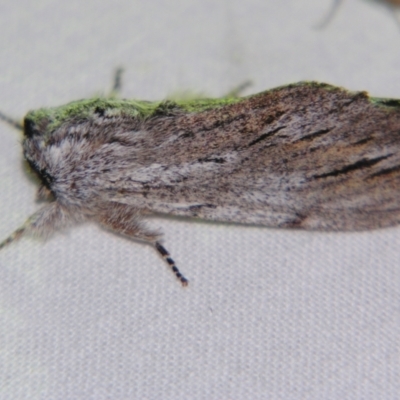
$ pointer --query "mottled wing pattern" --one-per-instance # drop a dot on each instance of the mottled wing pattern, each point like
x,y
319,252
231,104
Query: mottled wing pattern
x,y
307,155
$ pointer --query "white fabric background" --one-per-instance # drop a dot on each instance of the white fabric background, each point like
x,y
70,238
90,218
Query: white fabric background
x,y
269,314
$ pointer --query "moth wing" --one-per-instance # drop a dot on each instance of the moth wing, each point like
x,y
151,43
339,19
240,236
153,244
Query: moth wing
x,y
307,155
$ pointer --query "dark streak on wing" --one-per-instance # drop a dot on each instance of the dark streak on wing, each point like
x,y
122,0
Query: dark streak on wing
x,y
186,135
200,206
314,135
385,171
363,141
363,163
356,97
265,136
217,160
196,209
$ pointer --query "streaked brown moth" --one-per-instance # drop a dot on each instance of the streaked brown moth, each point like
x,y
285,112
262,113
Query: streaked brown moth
x,y
307,155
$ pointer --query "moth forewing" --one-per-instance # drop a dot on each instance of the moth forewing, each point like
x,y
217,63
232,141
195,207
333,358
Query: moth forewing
x,y
306,155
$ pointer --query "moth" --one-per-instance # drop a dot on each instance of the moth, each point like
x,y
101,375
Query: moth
x,y
307,155
392,5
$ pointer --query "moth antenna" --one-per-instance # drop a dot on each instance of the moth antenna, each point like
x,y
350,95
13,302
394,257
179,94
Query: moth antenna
x,y
11,121
117,82
328,18
238,90
14,236
167,257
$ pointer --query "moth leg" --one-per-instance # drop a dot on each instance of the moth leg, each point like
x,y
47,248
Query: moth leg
x,y
239,89
117,83
44,194
124,219
49,218
14,236
329,16
167,257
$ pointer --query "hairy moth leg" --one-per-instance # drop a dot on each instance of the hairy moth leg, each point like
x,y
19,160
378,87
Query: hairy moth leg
x,y
49,218
14,236
125,220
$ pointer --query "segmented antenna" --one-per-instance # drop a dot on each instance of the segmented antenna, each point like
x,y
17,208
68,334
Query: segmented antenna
x,y
11,121
167,257
14,236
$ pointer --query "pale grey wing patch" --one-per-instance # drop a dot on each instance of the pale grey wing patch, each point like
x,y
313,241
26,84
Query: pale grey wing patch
x,y
339,203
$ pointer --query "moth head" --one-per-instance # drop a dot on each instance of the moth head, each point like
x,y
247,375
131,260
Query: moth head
x,y
37,163
36,133
33,129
